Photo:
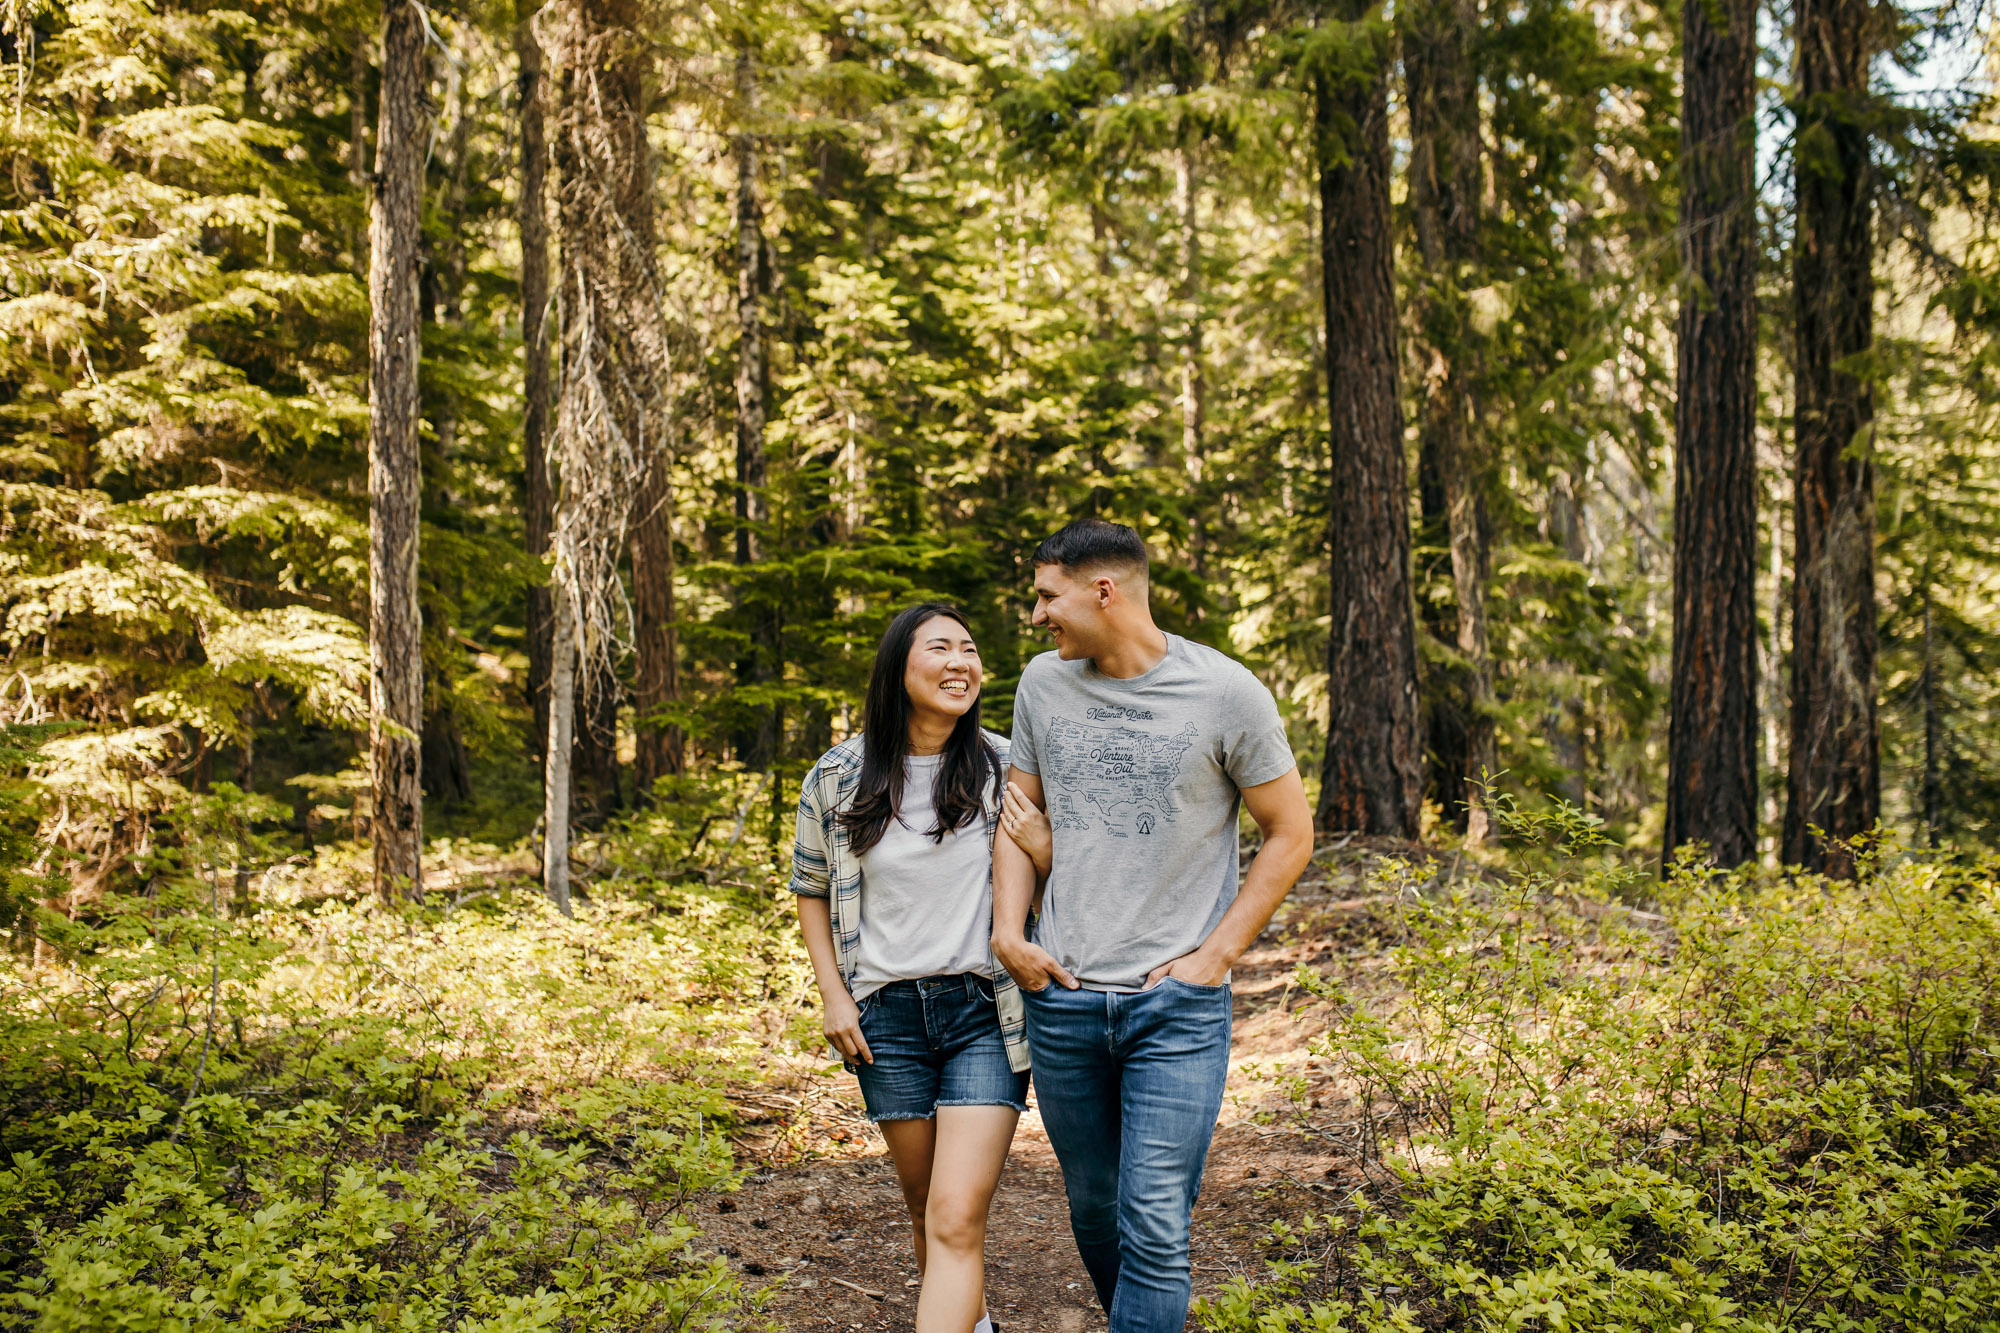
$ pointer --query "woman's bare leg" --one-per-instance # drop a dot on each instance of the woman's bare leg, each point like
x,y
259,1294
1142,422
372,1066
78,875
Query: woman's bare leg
x,y
969,1151
912,1144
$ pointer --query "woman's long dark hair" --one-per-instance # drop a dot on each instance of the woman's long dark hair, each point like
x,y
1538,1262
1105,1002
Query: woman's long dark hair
x,y
970,762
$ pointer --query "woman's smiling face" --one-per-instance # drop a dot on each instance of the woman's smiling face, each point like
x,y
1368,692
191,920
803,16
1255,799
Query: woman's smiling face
x,y
943,671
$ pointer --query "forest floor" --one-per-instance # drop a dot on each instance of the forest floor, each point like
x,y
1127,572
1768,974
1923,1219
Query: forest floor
x,y
823,1225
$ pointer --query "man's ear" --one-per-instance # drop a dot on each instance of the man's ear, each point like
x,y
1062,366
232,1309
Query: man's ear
x,y
1107,587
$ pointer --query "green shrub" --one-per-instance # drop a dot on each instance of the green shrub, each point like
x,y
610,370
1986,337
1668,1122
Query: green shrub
x,y
1773,1105
307,1112
320,1216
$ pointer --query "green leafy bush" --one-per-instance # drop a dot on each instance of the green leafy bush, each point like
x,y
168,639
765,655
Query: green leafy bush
x,y
221,1109
1775,1104
330,1215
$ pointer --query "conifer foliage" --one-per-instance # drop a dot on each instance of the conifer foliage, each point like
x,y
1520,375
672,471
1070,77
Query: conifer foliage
x,y
408,410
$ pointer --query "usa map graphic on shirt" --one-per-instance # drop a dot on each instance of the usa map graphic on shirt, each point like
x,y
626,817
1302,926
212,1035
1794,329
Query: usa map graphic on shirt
x,y
1120,776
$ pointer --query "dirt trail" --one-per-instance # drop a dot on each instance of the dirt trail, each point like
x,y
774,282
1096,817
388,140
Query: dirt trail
x,y
810,1229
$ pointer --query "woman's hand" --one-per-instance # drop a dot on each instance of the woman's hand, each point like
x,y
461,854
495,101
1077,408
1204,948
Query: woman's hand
x,y
843,1026
1028,827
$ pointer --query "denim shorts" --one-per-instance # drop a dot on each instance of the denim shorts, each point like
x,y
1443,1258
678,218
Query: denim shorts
x,y
936,1042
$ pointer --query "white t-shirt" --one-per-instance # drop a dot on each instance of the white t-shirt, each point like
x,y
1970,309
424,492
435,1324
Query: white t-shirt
x,y
926,907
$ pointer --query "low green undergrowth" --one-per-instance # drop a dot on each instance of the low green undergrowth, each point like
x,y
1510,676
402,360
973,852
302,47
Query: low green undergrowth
x,y
1771,1104
258,1106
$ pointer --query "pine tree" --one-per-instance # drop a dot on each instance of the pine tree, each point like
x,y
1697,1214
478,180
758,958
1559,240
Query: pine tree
x,y
1445,190
656,684
758,737
1712,734
1834,780
537,501
1371,777
611,430
395,343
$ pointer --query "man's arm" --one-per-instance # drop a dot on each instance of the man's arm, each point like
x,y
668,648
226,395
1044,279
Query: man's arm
x,y
1031,965
1280,809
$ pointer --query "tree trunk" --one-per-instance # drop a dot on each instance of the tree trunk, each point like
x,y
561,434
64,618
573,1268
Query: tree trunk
x,y
1712,713
1371,779
447,769
595,783
357,111
395,643
757,741
538,500
1774,666
612,421
1933,793
1465,510
1834,782
1444,688
562,713
447,267
1565,722
446,766
750,504
657,678
1445,204
1194,408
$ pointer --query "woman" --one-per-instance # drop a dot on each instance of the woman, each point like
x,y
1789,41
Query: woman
x,y
893,871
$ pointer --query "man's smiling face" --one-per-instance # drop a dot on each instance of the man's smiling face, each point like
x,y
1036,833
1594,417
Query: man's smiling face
x,y
1071,608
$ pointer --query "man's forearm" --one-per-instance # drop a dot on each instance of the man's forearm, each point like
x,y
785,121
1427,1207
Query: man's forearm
x,y
1277,866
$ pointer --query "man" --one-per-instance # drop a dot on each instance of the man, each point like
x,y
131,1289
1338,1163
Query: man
x,y
1142,747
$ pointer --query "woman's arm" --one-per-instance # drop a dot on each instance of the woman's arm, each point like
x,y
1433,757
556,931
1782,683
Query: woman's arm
x,y
843,1016
1031,966
1029,828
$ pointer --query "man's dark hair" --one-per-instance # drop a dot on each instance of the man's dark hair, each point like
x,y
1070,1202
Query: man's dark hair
x,y
1091,544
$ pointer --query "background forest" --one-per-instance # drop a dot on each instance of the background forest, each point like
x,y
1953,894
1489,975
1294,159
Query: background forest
x,y
933,280
1584,416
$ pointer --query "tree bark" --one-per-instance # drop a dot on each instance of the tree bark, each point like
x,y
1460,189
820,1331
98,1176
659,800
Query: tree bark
x,y
538,498
1194,388
357,111
447,769
1444,688
750,504
395,629
612,413
1712,713
1371,779
657,678
1834,778
757,741
1444,183
1565,722
597,787
446,271
562,713
1933,792
656,683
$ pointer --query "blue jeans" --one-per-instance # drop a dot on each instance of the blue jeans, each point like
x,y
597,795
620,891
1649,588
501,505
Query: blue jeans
x,y
1129,1087
936,1042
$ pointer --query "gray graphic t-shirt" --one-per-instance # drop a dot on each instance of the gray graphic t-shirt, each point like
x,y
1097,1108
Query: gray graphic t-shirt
x,y
1142,779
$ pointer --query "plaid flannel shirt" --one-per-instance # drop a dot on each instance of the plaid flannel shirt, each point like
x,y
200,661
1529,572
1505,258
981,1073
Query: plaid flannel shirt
x,y
823,866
